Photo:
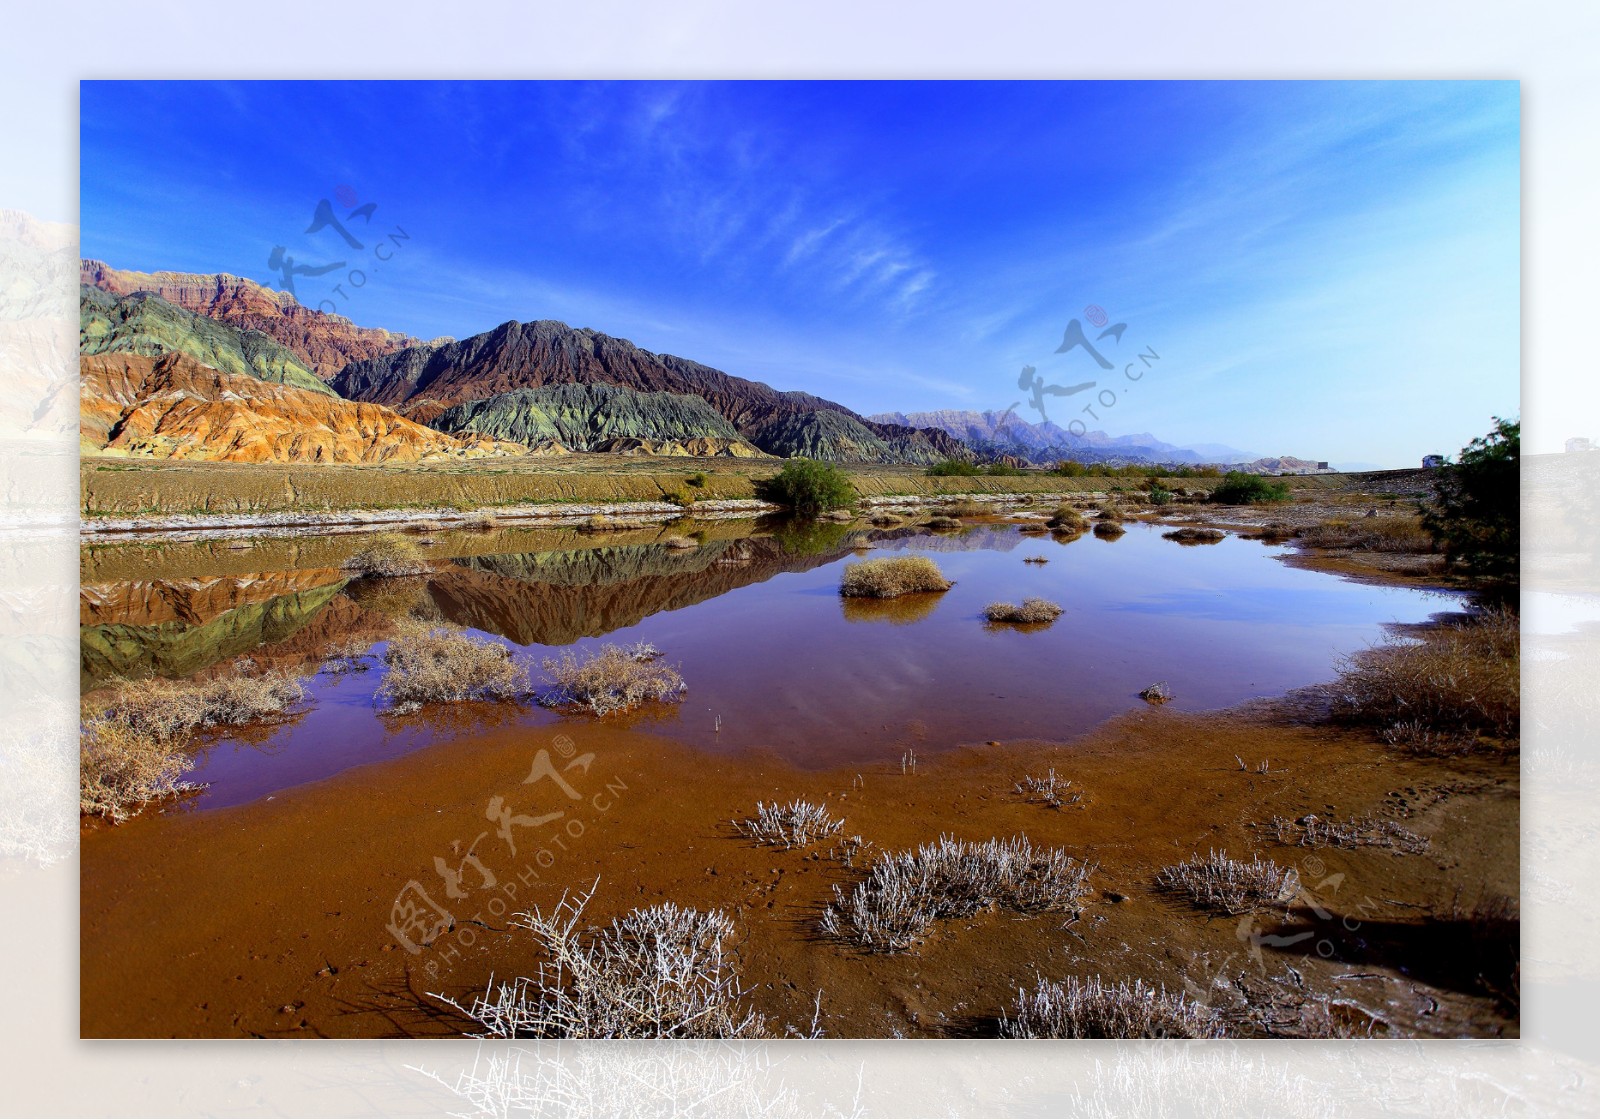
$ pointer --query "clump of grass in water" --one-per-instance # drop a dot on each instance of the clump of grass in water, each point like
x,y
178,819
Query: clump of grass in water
x,y
1439,694
1067,519
1036,560
1028,611
661,972
941,522
391,555
1231,886
614,679
427,664
798,824
348,656
1108,530
600,523
1157,693
1192,535
133,743
166,709
887,577
121,769
904,893
1092,1008
680,542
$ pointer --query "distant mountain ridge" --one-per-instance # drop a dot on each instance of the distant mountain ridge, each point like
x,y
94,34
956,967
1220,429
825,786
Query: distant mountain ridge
x,y
545,352
553,388
1006,433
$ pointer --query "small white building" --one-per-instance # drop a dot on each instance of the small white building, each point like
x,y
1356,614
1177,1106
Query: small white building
x,y
1432,462
1580,443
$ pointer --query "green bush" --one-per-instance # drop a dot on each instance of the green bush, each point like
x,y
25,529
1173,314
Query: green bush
x,y
808,487
1002,470
952,467
1240,489
1474,514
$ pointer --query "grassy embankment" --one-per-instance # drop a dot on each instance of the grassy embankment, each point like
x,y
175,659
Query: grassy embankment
x,y
118,488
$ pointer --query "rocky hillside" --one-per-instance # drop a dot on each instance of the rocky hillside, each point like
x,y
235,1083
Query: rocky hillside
x,y
173,407
597,417
323,343
532,355
1283,464
147,324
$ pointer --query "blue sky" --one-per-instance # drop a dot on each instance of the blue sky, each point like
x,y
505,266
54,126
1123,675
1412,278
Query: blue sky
x,y
1328,270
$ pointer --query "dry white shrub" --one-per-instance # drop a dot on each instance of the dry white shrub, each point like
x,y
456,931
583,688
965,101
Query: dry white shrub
x,y
904,893
1232,886
662,972
1092,1008
798,824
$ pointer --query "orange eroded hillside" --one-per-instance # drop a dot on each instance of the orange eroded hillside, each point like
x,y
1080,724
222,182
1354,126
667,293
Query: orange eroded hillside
x,y
175,408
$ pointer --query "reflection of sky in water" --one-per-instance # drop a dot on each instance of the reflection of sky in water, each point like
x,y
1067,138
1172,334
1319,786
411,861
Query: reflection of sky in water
x,y
789,666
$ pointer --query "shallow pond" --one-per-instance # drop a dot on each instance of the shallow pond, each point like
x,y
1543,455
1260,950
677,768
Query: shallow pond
x,y
774,658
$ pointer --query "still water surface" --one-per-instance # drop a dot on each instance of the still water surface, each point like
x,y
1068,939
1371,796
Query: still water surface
x,y
775,660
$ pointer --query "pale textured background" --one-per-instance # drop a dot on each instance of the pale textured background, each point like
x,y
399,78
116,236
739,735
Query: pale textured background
x,y
1550,47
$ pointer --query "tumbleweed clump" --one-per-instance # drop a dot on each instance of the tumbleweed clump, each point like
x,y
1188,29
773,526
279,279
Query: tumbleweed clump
x,y
1232,886
888,576
443,664
1029,610
904,893
387,556
134,739
1067,519
168,709
614,679
1092,1008
1192,535
121,768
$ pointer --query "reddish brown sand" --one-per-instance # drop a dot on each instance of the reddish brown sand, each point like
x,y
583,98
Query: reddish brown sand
x,y
269,919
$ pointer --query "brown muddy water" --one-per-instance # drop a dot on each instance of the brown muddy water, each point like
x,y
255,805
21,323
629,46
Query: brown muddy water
x,y
775,660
